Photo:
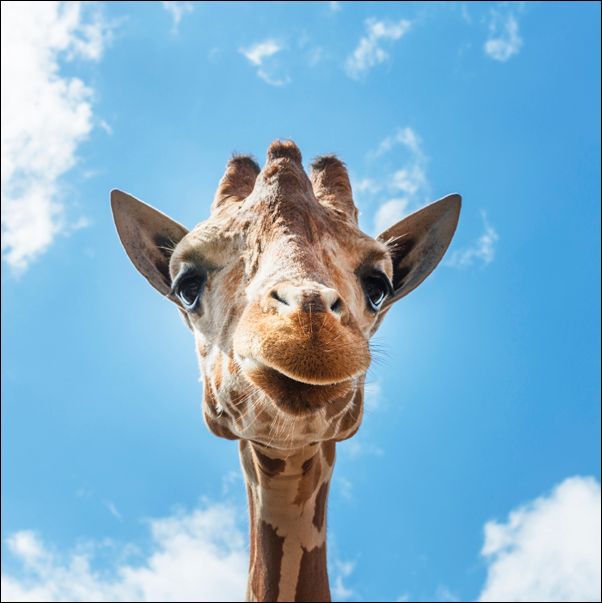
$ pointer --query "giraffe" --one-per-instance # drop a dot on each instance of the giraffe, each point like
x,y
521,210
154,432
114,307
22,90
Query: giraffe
x,y
282,292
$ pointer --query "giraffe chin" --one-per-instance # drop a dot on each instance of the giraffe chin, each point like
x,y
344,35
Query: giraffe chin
x,y
295,397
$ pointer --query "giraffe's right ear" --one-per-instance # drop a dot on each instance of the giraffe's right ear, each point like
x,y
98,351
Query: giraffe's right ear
x,y
148,237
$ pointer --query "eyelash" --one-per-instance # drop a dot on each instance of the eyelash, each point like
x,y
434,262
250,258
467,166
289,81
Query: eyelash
x,y
378,283
188,287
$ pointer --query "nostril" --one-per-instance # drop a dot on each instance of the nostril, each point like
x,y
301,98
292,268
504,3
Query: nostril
x,y
336,306
274,295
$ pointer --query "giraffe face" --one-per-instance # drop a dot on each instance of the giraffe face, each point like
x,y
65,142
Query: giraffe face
x,y
282,292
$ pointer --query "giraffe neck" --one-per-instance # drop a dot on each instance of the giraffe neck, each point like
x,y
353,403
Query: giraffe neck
x,y
287,505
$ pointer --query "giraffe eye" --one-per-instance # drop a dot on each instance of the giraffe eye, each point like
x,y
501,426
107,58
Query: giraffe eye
x,y
376,287
188,288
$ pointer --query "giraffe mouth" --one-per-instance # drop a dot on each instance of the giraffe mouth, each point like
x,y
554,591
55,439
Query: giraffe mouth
x,y
291,393
251,365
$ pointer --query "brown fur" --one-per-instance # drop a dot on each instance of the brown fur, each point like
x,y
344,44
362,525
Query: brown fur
x,y
264,582
313,581
320,510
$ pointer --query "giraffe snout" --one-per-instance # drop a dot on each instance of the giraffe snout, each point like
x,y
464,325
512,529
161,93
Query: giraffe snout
x,y
307,298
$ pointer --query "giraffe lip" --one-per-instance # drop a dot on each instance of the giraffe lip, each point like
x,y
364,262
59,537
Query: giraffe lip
x,y
289,394
251,365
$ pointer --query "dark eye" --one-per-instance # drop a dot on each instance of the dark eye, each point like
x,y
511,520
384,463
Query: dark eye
x,y
188,287
376,287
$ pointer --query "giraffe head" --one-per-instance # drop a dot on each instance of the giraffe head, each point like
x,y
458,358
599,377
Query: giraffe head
x,y
283,291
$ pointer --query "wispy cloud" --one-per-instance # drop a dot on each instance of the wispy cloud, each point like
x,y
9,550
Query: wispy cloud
x,y
260,55
389,212
549,549
334,6
177,10
113,510
481,252
341,571
196,556
257,53
404,137
504,40
370,51
360,446
365,186
343,487
373,396
42,110
404,186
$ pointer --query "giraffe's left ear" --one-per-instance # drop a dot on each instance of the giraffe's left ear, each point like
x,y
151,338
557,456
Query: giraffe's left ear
x,y
148,237
418,243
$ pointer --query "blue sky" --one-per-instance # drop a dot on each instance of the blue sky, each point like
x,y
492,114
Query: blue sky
x,y
486,399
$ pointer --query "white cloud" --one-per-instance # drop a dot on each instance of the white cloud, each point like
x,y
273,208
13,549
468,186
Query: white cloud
x,y
259,54
404,187
112,509
359,446
341,571
197,556
45,117
269,78
177,10
343,486
364,185
334,6
504,39
26,546
369,51
409,180
389,213
405,137
405,182
373,392
483,250
549,549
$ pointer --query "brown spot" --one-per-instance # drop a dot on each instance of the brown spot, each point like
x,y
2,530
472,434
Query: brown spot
x,y
269,466
308,483
320,511
265,567
307,465
312,583
329,449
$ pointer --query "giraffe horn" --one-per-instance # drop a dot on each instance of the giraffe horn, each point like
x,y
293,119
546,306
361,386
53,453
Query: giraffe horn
x,y
237,182
330,181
